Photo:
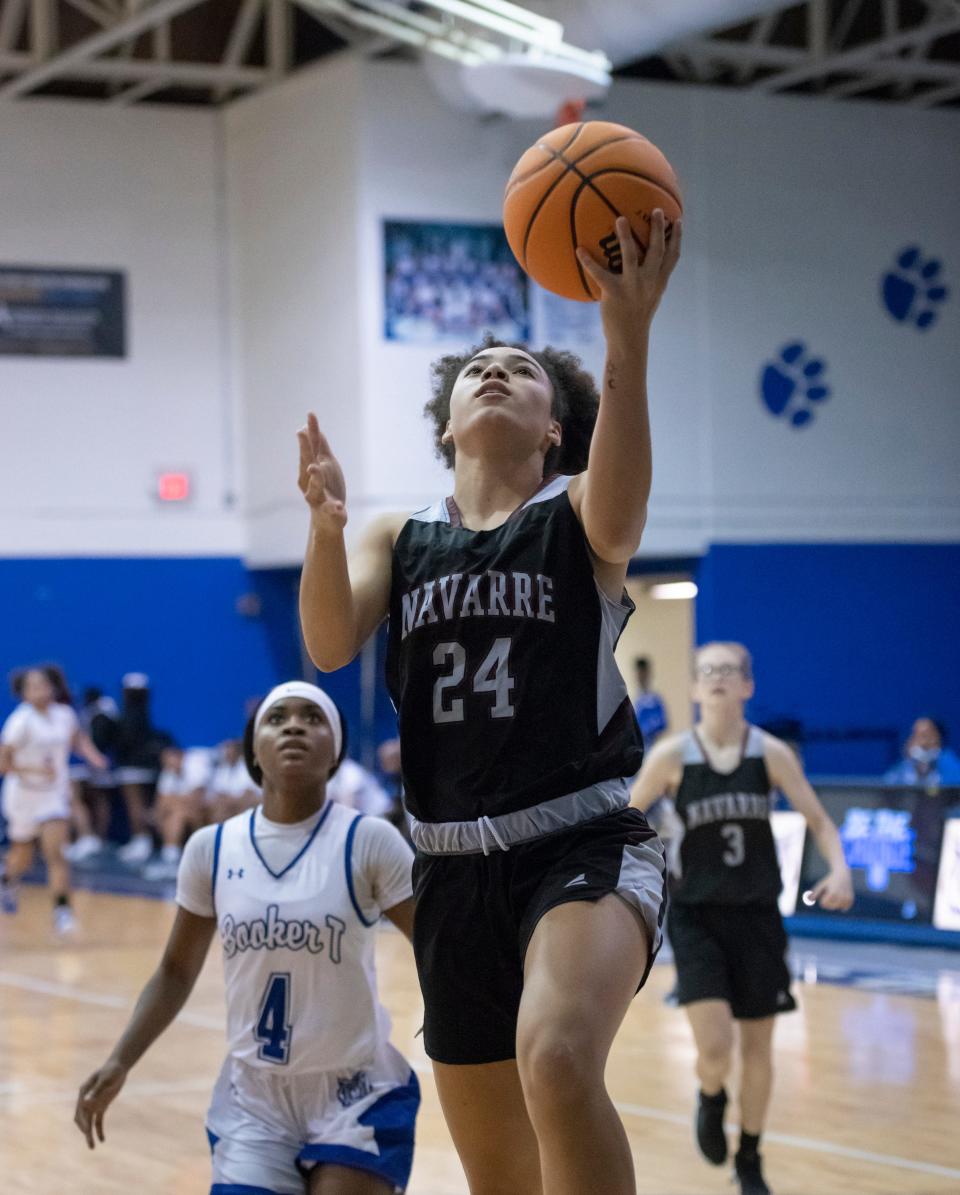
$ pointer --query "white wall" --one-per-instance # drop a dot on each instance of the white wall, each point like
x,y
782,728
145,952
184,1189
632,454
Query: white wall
x,y
794,208
421,160
293,186
805,206
138,190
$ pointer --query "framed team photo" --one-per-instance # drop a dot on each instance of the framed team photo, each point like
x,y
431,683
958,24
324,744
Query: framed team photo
x,y
452,282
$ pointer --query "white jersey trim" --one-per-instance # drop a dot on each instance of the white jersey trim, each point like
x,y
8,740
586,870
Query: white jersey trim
x,y
437,513
559,485
692,754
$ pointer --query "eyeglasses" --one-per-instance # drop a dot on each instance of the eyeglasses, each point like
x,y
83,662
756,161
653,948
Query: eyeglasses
x,y
724,671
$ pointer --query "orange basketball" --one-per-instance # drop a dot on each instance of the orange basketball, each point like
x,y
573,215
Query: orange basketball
x,y
567,191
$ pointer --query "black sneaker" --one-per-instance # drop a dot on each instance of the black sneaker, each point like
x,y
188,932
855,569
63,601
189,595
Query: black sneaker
x,y
749,1175
710,1135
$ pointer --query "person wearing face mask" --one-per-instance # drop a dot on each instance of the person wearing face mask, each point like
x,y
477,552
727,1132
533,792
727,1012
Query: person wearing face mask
x,y
728,938
926,760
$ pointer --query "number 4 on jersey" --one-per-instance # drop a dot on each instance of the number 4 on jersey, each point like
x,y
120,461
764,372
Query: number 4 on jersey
x,y
273,1029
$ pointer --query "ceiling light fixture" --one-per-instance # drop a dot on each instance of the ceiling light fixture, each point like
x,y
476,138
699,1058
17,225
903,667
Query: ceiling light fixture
x,y
500,57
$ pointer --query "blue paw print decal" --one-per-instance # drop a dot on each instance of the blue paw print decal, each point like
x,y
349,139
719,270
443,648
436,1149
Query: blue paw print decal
x,y
792,386
912,290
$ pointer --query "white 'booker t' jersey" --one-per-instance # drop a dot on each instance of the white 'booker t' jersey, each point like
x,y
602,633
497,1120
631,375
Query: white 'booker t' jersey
x,y
297,910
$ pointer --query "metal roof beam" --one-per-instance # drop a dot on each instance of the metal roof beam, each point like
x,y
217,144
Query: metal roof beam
x,y
738,53
161,74
243,32
279,32
818,28
94,12
861,56
167,74
939,95
43,29
98,43
760,34
241,35
844,23
11,22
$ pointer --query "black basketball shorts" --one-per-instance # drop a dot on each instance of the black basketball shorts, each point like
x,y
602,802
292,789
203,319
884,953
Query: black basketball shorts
x,y
735,953
476,914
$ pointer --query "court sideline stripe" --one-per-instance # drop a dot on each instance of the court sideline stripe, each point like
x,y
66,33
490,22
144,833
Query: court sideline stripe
x,y
808,1143
44,988
198,1020
21,1093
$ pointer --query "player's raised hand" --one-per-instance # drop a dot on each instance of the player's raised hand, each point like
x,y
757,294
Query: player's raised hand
x,y
321,478
96,1095
629,298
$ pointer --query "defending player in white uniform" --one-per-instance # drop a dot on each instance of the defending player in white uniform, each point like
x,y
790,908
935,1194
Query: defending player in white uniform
x,y
35,746
312,1097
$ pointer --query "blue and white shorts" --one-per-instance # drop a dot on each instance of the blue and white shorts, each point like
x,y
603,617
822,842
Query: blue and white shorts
x,y
268,1130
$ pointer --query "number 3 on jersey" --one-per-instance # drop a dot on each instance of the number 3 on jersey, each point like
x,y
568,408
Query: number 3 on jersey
x,y
735,851
493,676
273,1029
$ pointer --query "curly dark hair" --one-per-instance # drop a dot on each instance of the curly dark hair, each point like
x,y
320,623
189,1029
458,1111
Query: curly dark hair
x,y
575,402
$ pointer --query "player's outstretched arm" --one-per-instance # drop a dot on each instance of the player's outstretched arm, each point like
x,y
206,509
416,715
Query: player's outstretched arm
x,y
835,890
341,603
165,994
616,486
659,775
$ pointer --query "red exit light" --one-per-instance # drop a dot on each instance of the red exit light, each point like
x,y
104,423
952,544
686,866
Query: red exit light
x,y
173,487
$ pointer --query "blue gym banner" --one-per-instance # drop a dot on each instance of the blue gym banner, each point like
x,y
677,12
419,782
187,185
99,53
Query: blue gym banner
x,y
62,313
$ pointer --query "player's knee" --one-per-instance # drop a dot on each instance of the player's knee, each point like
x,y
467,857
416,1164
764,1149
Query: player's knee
x,y
715,1048
555,1066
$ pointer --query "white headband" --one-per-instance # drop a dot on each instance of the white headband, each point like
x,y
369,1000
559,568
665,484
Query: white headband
x,y
300,688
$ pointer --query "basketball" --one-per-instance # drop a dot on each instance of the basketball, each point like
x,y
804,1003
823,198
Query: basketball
x,y
568,189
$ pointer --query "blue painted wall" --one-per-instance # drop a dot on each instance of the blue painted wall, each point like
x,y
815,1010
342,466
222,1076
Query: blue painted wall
x,y
175,619
846,638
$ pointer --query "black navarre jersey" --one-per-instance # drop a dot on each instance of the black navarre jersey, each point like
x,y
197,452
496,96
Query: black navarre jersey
x,y
727,853
500,662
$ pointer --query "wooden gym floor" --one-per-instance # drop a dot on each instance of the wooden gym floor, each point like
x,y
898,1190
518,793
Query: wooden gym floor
x,y
867,1096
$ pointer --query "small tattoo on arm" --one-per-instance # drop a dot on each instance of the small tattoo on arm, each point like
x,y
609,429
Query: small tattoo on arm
x,y
611,379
